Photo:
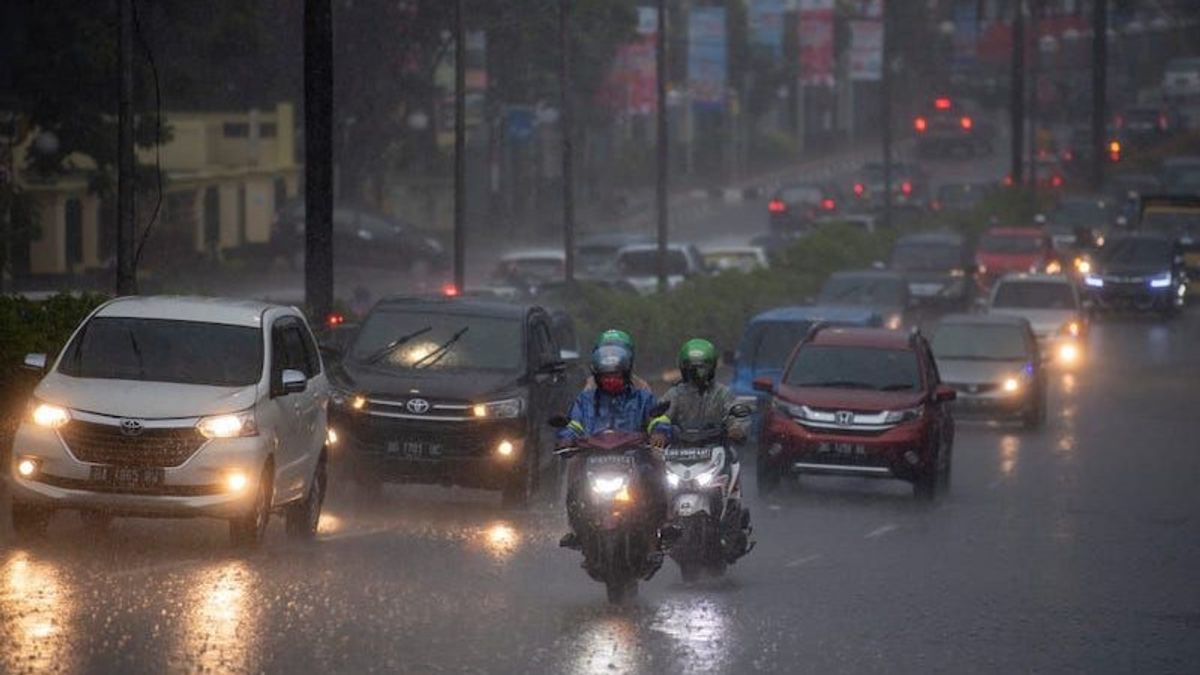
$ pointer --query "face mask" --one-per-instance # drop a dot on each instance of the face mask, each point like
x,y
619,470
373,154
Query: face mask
x,y
611,383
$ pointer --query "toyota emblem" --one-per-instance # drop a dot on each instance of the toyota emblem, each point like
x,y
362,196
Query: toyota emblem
x,y
132,427
844,418
417,406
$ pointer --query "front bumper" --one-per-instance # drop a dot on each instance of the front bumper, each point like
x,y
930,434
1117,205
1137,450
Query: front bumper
x,y
899,452
989,400
1136,297
197,488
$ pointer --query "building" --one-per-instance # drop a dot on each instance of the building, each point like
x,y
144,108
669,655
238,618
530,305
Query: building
x,y
225,174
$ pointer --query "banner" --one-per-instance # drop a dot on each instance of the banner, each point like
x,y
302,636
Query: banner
x,y
766,25
631,87
866,50
816,42
707,56
966,36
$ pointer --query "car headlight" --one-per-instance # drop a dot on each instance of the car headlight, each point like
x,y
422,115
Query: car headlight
x,y
1011,384
906,415
1093,281
799,412
347,399
894,322
673,480
1083,266
608,485
1053,267
505,408
233,425
50,416
1071,328
1068,352
1161,281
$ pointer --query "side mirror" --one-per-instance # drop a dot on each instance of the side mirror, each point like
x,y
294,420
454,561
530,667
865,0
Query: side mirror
x,y
740,410
944,394
764,384
35,362
292,382
568,355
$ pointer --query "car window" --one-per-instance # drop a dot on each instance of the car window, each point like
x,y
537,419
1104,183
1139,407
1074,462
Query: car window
x,y
926,256
287,348
1034,295
864,291
312,356
845,367
546,351
1136,251
768,344
160,350
981,341
645,262
1011,244
417,339
801,194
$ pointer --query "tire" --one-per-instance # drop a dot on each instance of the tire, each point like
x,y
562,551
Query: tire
x,y
96,521
30,521
249,530
768,477
304,516
928,484
621,591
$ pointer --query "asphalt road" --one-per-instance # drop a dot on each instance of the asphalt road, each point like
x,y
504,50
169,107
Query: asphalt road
x,y
1073,548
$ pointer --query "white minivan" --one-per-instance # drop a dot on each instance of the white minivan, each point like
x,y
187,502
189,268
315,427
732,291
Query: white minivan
x,y
178,407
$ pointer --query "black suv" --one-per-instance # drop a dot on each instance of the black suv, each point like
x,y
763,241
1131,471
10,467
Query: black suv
x,y
1143,272
451,391
938,268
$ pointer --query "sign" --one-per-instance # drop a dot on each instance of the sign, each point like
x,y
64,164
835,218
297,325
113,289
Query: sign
x,y
816,43
647,21
966,36
866,50
766,25
707,56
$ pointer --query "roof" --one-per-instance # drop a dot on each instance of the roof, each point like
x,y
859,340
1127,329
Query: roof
x,y
651,247
1015,232
932,238
189,308
983,319
1021,277
879,338
857,315
614,239
535,253
459,306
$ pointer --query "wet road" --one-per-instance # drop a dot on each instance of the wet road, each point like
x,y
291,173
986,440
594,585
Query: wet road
x,y
1074,548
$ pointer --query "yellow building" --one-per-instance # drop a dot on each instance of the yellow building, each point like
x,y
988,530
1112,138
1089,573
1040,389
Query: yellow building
x,y
224,176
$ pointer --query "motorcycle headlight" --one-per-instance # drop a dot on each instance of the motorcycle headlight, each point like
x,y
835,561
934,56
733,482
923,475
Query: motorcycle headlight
x,y
1011,385
608,485
1093,281
1053,267
505,408
906,415
1070,328
673,480
1160,281
233,425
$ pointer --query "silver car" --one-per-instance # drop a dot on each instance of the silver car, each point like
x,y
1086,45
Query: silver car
x,y
1051,304
993,362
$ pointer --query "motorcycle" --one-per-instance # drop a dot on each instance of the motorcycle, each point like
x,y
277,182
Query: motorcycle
x,y
616,518
704,479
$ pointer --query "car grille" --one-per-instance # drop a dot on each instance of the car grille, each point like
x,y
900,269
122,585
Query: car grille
x,y
154,447
382,436
837,459
980,388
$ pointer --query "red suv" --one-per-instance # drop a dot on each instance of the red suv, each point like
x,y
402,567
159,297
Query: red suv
x,y
860,402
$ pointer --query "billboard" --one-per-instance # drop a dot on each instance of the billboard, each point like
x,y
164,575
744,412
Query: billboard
x,y
766,25
816,42
866,50
707,60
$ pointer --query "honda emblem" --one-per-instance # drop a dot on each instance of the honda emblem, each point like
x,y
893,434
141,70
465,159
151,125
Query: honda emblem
x,y
844,418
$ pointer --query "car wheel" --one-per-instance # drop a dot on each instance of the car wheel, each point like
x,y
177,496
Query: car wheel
x,y
926,485
1035,413
768,476
96,521
304,516
249,530
30,521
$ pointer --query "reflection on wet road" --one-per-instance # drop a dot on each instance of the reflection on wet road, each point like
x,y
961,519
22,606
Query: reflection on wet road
x,y
1070,548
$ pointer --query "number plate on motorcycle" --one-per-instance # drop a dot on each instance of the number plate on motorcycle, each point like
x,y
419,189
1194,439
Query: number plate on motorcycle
x,y
688,454
610,460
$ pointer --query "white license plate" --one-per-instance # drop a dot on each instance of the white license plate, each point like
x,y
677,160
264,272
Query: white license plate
x,y
925,289
846,449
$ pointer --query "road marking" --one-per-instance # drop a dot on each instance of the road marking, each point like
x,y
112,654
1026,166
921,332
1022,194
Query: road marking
x,y
880,531
802,561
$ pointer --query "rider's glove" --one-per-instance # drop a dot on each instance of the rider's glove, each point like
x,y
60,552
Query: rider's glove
x,y
658,440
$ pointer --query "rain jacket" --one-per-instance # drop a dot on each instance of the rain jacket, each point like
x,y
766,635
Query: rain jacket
x,y
692,408
595,411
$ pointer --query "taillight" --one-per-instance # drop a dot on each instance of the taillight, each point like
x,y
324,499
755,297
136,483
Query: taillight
x,y
935,205
335,319
920,124
966,123
1119,122
450,291
1114,150
1056,181
776,206
1068,156
859,189
1008,181
941,103
1162,121
828,204
906,187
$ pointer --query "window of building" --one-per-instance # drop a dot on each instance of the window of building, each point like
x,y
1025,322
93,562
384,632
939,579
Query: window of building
x,y
73,217
267,130
236,130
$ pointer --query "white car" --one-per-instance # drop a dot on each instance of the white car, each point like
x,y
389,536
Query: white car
x,y
637,264
178,407
1052,305
740,258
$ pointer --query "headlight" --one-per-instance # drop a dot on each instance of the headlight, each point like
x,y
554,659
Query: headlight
x,y
707,477
1093,281
895,322
50,416
794,411
672,480
1070,328
1083,266
1161,281
228,426
506,408
907,415
981,269
347,399
1011,384
607,485
1068,352
1053,267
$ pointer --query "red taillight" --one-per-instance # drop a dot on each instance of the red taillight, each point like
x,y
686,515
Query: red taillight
x,y
906,187
920,124
828,204
335,319
1068,156
1056,181
1119,122
1114,151
776,206
1008,181
859,189
450,291
941,103
1162,122
966,123
935,205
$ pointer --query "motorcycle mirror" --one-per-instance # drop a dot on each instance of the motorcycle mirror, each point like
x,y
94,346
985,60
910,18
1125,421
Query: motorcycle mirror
x,y
740,410
558,422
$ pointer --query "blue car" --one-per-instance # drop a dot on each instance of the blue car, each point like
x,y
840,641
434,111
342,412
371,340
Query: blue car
x,y
771,336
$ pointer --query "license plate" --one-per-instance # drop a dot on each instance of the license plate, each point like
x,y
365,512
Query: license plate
x,y
414,449
128,476
610,460
925,289
688,454
846,449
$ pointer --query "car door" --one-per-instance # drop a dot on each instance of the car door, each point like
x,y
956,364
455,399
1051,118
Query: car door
x,y
293,410
547,387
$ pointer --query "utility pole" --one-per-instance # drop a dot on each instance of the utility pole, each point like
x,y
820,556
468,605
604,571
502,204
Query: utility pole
x,y
1016,105
566,124
660,55
886,111
460,145
126,274
1035,10
1099,89
318,157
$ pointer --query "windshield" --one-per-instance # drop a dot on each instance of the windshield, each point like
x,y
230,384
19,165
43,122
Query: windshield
x,y
802,194
530,268
855,368
597,257
488,343
769,344
1034,295
1010,244
1179,223
644,263
980,342
1136,251
867,291
160,350
1090,214
923,256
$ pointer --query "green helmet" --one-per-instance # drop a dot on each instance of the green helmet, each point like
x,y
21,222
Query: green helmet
x,y
698,361
616,336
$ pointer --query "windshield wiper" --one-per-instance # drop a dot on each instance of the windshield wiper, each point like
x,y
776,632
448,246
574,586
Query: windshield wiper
x,y
394,344
840,384
436,355
896,386
137,351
